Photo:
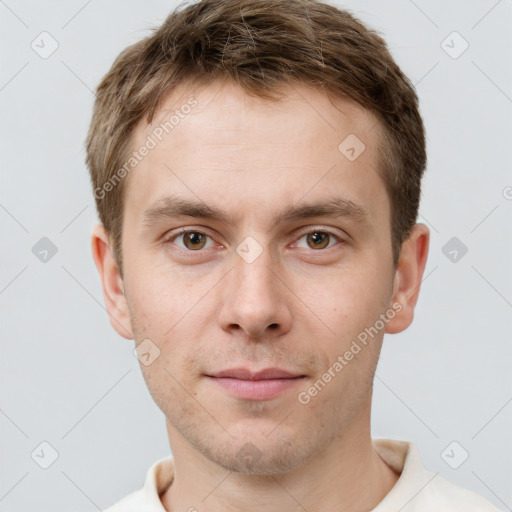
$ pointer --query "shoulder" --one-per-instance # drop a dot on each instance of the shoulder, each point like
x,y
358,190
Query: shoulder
x,y
420,490
133,502
441,494
147,499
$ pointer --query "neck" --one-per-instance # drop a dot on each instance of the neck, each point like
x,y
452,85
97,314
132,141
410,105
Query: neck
x,y
348,475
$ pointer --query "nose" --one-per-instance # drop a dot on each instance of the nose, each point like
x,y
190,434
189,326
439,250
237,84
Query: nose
x,y
255,298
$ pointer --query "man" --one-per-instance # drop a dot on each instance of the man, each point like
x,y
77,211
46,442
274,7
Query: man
x,y
257,171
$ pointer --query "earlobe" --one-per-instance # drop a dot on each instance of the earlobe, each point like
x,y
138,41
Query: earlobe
x,y
111,281
408,277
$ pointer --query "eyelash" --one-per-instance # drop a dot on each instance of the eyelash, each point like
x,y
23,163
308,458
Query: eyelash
x,y
183,231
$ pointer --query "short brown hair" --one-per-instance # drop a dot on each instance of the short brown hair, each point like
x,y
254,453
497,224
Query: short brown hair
x,y
261,45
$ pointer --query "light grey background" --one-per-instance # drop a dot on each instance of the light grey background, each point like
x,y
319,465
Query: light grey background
x,y
68,379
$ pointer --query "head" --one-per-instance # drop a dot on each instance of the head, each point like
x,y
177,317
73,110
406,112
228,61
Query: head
x,y
288,143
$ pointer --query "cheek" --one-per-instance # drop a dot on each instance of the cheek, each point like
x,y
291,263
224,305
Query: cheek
x,y
347,299
158,300
350,304
166,308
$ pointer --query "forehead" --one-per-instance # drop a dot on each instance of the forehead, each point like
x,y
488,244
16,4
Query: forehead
x,y
223,113
217,137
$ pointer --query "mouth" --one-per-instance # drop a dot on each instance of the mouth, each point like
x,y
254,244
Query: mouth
x,y
261,385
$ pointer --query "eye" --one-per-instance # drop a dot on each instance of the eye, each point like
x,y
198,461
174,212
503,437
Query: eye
x,y
191,240
318,239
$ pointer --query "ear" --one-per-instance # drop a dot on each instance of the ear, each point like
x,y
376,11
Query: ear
x,y
111,281
408,276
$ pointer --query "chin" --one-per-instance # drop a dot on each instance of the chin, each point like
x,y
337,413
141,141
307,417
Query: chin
x,y
260,456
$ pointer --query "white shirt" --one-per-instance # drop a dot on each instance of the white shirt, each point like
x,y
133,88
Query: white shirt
x,y
417,489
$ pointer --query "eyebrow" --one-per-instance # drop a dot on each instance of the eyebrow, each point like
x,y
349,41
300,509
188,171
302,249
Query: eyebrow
x,y
171,207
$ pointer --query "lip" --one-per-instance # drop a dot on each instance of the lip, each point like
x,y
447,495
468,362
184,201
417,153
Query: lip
x,y
246,374
260,385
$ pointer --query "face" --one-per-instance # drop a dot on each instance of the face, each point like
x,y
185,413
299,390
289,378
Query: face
x,y
252,243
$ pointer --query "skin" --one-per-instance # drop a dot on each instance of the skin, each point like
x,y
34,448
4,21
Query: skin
x,y
297,306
